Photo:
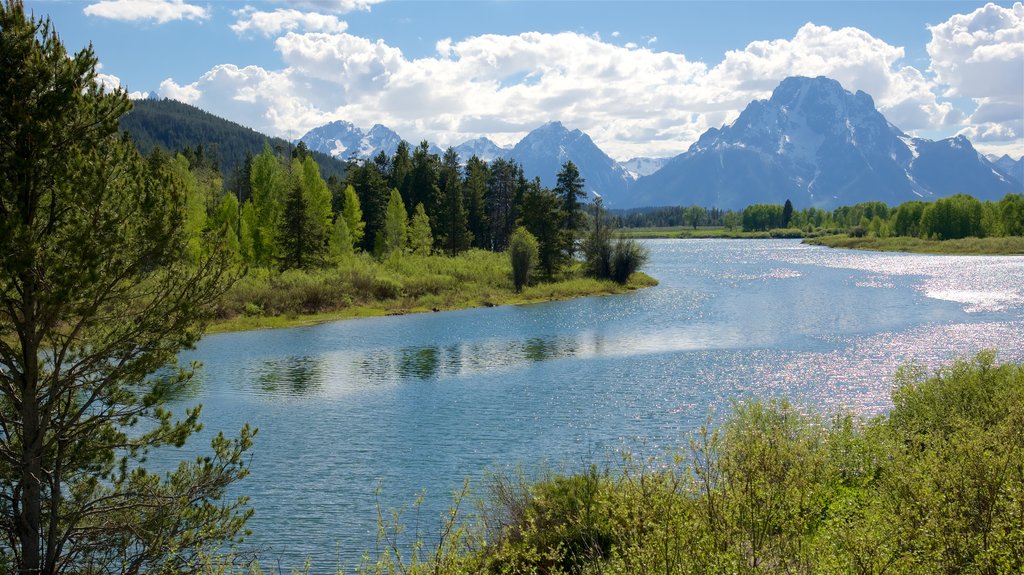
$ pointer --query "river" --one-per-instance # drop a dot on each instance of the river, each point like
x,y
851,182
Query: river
x,y
415,404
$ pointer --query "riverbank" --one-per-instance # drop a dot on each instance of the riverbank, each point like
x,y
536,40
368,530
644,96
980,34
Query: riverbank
x,y
684,232
363,287
1012,245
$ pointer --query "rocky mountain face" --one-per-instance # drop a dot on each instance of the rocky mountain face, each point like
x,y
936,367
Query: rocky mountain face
x,y
543,152
482,148
818,145
345,141
1009,167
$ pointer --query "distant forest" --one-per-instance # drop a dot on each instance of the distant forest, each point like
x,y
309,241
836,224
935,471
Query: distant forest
x,y
177,127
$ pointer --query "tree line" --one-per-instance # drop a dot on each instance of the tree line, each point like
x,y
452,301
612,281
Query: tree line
x,y
281,214
953,217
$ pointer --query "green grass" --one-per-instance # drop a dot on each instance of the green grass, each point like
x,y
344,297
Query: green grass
x,y
361,286
1013,245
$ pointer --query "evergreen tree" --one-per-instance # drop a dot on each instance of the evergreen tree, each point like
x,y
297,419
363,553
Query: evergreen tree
x,y
269,190
392,238
341,239
474,192
224,224
569,188
399,172
96,301
500,202
353,215
425,188
420,240
542,217
597,248
373,193
787,213
453,222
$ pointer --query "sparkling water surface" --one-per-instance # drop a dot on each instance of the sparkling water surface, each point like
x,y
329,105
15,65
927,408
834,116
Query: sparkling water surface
x,y
415,404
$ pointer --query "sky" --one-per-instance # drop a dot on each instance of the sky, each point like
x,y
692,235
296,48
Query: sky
x,y
641,78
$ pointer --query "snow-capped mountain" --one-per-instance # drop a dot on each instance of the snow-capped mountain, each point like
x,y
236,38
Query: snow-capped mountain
x,y
544,150
343,140
818,145
1009,166
640,167
482,148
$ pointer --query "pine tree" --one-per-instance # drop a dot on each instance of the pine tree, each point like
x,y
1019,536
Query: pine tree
x,y
372,190
569,189
392,238
474,192
353,215
452,225
97,299
502,189
542,217
420,240
269,190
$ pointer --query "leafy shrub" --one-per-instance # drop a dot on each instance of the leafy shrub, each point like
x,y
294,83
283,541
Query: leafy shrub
x,y
628,256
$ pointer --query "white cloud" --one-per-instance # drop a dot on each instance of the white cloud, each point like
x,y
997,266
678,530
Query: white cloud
x,y
285,20
632,100
981,56
616,34
336,6
162,11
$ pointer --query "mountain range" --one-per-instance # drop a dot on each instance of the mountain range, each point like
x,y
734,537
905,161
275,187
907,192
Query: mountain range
x,y
812,142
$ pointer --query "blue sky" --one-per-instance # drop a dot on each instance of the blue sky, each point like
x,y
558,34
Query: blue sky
x,y
642,78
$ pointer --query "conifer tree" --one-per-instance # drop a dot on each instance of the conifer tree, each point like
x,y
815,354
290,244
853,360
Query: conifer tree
x,y
353,215
97,297
569,189
453,224
474,192
541,216
420,240
392,238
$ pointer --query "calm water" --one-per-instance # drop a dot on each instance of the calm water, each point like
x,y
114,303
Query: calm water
x,y
417,403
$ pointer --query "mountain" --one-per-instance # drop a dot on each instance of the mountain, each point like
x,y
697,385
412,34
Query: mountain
x,y
482,148
639,167
1008,166
818,145
174,126
544,150
344,140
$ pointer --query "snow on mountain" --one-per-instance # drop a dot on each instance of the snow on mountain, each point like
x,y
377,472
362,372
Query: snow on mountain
x,y
639,167
482,148
544,150
1009,167
818,145
344,140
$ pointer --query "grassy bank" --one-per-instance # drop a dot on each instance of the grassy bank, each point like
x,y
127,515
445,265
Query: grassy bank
x,y
361,286
1012,245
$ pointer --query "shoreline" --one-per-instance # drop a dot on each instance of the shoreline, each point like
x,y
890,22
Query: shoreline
x,y
540,293
1001,246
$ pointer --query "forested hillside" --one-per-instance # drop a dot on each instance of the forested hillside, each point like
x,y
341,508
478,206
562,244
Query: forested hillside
x,y
175,126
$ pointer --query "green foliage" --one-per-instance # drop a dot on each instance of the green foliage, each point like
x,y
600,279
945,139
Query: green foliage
x,y
569,189
393,237
762,217
99,291
542,217
420,240
522,251
353,215
628,256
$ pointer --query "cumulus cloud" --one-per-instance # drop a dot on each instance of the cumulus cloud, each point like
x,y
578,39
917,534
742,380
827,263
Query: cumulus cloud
x,y
279,21
981,56
160,11
632,100
336,6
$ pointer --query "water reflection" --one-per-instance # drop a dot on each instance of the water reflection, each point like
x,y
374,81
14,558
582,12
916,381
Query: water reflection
x,y
290,375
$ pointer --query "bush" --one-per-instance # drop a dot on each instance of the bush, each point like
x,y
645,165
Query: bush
x,y
628,256
522,250
782,233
